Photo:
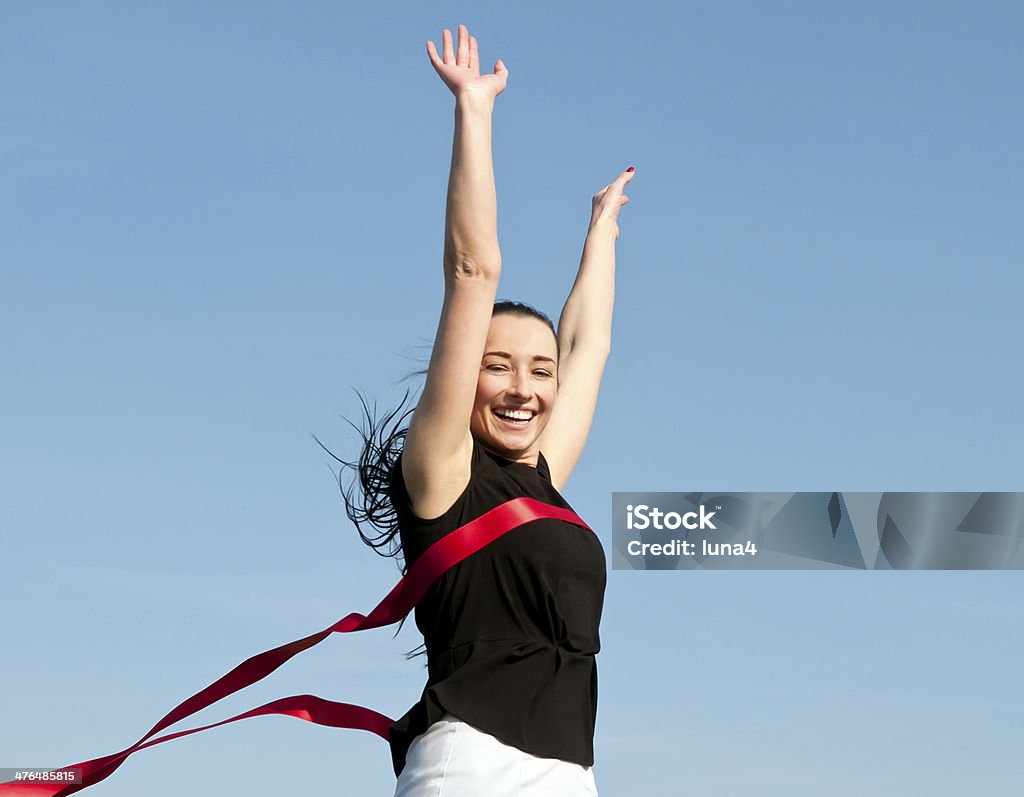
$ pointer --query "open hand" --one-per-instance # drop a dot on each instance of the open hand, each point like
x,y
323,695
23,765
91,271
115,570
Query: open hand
x,y
608,201
461,73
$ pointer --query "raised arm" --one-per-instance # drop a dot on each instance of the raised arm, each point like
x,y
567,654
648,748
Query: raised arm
x,y
438,447
585,335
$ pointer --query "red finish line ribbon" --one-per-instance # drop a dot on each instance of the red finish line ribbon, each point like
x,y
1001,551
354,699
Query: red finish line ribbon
x,y
439,557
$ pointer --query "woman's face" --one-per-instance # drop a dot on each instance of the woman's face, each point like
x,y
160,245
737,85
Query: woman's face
x,y
518,377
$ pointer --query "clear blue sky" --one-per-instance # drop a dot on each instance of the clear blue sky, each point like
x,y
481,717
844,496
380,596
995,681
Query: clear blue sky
x,y
219,220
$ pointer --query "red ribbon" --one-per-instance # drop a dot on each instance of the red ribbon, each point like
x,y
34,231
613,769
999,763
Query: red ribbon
x,y
443,554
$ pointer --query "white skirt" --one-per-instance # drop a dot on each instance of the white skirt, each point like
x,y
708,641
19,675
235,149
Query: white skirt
x,y
455,759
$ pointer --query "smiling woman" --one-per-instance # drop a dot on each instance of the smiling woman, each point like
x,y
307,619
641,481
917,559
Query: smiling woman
x,y
511,633
517,385
507,582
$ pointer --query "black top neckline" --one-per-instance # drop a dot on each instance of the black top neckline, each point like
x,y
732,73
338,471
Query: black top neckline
x,y
507,462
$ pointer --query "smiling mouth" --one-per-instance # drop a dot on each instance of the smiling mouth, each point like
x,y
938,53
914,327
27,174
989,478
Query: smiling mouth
x,y
516,418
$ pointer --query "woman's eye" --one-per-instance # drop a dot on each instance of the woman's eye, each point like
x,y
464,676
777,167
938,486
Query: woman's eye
x,y
544,374
495,367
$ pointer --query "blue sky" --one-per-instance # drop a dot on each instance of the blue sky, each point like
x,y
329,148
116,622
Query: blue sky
x,y
217,221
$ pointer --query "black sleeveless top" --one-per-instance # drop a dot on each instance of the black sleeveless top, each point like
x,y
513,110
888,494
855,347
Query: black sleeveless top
x,y
511,631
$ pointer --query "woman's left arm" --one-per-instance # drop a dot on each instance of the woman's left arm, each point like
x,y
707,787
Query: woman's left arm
x,y
585,335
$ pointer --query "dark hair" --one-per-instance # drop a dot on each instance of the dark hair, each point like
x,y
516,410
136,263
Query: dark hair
x,y
523,310
383,439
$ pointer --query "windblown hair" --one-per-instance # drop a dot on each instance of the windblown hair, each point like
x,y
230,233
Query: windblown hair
x,y
371,509
370,506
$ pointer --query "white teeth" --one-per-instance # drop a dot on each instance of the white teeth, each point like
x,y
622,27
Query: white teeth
x,y
515,415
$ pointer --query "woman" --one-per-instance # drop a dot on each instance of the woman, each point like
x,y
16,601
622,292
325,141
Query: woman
x,y
511,632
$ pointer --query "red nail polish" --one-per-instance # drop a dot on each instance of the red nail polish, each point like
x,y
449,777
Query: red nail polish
x,y
629,169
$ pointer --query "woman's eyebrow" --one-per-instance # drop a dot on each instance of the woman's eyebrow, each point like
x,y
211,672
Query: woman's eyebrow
x,y
509,356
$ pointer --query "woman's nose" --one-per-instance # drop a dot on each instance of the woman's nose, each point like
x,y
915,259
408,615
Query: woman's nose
x,y
520,385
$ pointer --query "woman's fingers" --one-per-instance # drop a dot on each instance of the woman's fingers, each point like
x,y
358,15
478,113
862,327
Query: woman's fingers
x,y
460,70
609,200
463,57
432,54
619,185
466,51
449,55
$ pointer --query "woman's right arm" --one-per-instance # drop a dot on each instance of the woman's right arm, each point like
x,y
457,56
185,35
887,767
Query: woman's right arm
x,y
438,447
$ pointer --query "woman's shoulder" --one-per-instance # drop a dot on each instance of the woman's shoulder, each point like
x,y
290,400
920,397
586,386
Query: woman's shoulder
x,y
402,501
